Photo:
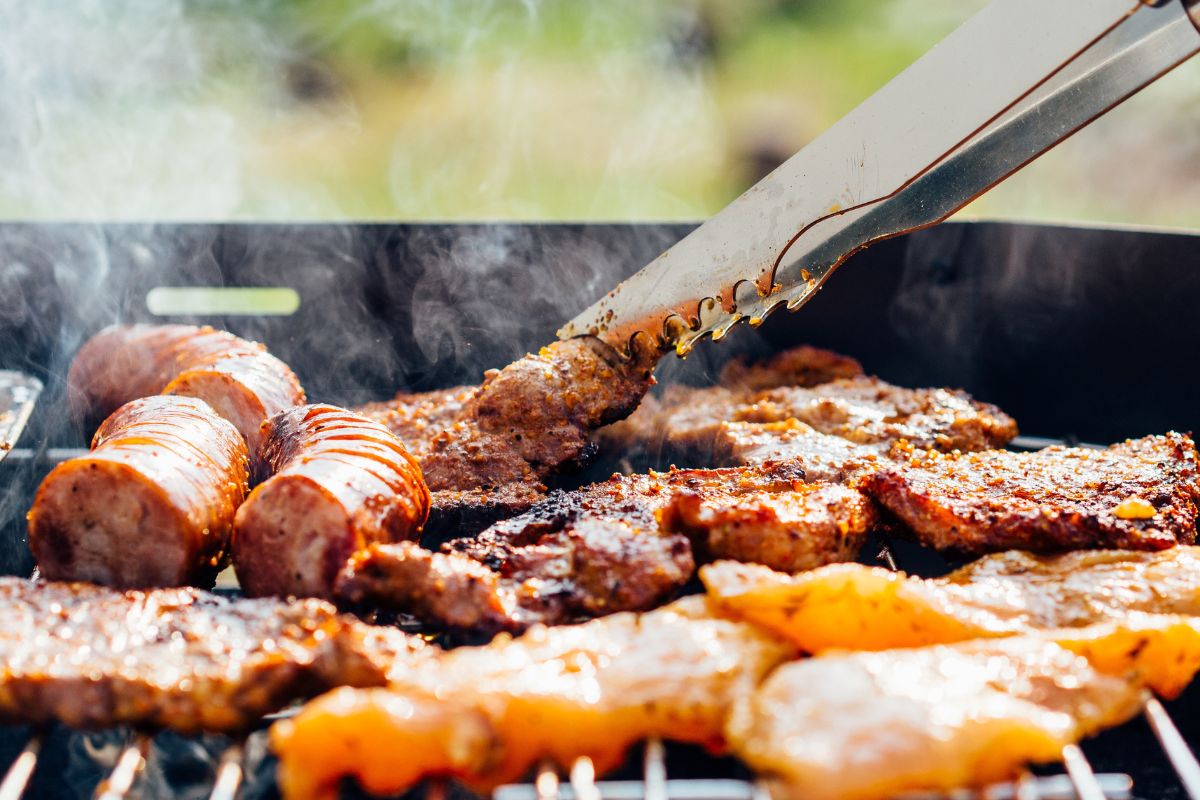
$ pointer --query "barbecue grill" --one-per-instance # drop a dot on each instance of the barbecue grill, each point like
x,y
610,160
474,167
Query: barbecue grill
x,y
1080,333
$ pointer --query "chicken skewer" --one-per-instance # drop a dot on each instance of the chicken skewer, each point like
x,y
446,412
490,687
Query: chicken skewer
x,y
998,595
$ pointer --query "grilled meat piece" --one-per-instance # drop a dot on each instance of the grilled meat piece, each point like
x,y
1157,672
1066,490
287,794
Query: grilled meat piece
x,y
152,504
643,431
488,714
624,544
800,366
242,381
803,528
822,457
862,726
183,659
523,424
808,406
463,512
339,483
1140,494
868,608
862,410
595,568
766,514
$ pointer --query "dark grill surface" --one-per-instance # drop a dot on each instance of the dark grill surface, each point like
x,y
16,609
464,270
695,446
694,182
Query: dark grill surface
x,y
1081,334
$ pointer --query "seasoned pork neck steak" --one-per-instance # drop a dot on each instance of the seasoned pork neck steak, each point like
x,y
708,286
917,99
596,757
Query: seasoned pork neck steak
x,y
627,543
1141,494
496,444
176,658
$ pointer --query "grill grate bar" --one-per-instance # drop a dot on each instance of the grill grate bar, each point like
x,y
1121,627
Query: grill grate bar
x,y
1082,776
1115,786
21,770
546,783
229,774
583,779
129,763
654,771
1182,759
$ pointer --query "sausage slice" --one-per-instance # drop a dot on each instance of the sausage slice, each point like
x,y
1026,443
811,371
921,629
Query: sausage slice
x,y
151,505
340,483
242,381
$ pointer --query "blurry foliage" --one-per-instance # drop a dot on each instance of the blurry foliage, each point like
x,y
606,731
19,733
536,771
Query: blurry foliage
x,y
539,109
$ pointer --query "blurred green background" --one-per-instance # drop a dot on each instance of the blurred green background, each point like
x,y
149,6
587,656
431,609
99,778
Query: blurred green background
x,y
447,110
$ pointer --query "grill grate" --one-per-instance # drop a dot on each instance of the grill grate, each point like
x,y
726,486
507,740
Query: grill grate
x,y
1079,781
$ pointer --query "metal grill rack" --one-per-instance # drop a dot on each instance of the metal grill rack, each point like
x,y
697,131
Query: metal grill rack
x,y
1080,780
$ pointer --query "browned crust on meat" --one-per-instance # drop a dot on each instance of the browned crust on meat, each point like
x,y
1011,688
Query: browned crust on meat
x,y
523,423
810,405
183,659
617,545
340,482
1052,500
800,366
804,528
466,512
238,378
151,505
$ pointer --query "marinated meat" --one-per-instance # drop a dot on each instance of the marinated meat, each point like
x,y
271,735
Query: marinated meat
x,y
595,568
862,410
338,483
152,504
644,429
91,657
868,608
803,528
242,381
463,512
624,544
800,366
523,424
1140,494
863,726
810,406
822,457
488,714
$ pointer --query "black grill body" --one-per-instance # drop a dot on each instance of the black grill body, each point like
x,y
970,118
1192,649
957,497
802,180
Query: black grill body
x,y
1082,334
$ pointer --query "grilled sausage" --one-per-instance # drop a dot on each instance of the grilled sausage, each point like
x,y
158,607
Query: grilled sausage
x,y
239,379
340,483
151,505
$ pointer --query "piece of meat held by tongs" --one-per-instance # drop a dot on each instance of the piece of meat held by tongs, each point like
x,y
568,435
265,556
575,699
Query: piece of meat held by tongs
x,y
1012,82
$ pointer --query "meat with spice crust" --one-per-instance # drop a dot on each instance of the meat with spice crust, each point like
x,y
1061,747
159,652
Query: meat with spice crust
x,y
524,423
786,407
863,410
183,659
1141,494
622,544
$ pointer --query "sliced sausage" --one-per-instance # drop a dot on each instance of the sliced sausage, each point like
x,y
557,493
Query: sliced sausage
x,y
151,505
239,379
340,483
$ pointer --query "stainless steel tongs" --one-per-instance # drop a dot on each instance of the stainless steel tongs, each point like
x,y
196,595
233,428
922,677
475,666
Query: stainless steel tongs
x,y
1009,84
